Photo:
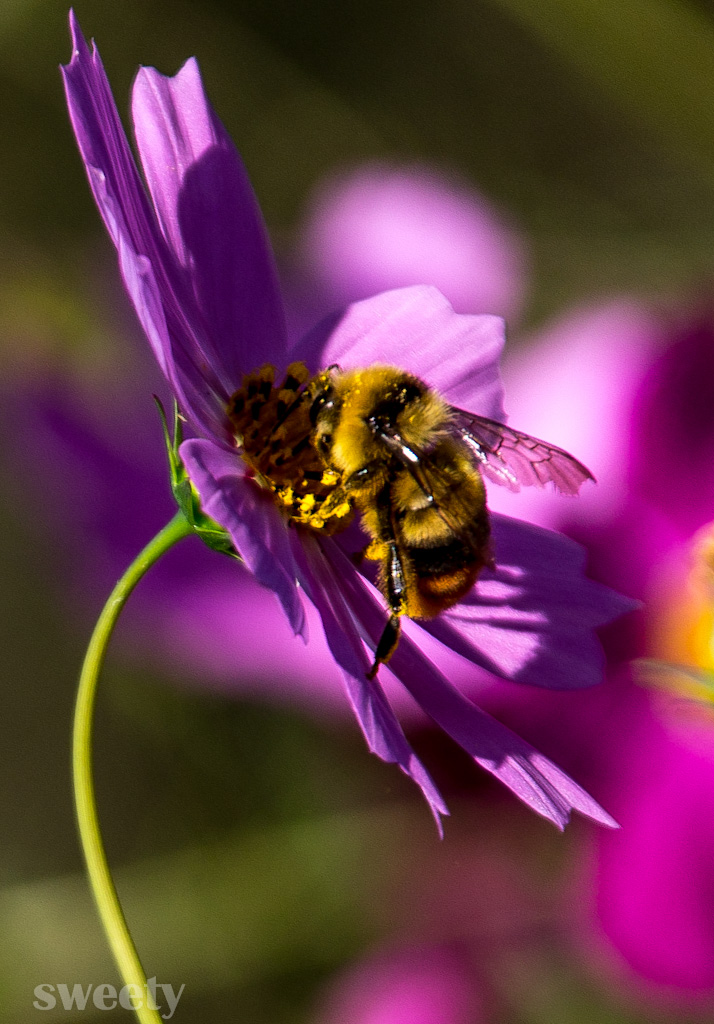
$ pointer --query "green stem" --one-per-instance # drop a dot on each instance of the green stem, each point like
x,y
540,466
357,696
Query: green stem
x,y
105,895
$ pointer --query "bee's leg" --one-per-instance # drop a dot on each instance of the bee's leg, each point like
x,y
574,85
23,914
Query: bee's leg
x,y
387,644
365,475
394,581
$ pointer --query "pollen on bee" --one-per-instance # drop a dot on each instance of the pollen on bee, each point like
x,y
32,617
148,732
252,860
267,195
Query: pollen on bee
x,y
376,551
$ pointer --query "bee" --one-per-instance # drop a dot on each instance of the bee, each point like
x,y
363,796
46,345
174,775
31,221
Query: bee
x,y
414,468
381,442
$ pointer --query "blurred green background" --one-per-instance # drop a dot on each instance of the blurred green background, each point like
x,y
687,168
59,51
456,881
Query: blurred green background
x,y
258,849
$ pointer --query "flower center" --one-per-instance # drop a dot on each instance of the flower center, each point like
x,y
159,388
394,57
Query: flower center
x,y
271,424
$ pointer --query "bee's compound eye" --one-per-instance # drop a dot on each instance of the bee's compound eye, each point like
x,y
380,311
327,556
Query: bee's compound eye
x,y
323,444
408,393
323,400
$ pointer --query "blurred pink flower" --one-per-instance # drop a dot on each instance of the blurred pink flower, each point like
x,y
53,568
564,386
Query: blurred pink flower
x,y
654,880
383,226
672,468
429,985
652,910
576,381
635,398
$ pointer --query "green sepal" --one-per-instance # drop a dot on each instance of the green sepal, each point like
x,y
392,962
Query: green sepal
x,y
185,494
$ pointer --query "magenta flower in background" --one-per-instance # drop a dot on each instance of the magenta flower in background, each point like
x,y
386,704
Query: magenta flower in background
x,y
198,268
673,423
646,427
653,885
424,985
382,226
647,430
653,892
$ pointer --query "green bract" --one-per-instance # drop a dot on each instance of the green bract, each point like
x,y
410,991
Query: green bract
x,y
184,492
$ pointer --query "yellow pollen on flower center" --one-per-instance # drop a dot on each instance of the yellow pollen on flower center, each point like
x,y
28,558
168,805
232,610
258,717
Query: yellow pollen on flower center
x,y
271,425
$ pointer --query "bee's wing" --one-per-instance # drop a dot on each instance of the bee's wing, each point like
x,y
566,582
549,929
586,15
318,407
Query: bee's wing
x,y
513,459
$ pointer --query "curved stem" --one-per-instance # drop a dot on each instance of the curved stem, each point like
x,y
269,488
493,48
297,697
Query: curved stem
x,y
105,895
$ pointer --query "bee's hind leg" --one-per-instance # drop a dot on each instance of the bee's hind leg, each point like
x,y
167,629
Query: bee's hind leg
x,y
387,644
396,591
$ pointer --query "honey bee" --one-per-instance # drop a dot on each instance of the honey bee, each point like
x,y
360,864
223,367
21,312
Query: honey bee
x,y
414,467
381,442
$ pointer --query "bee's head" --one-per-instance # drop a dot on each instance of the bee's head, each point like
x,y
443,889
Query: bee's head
x,y
393,398
322,393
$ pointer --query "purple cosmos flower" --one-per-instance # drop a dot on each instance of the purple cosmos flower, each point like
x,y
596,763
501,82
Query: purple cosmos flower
x,y
427,985
196,263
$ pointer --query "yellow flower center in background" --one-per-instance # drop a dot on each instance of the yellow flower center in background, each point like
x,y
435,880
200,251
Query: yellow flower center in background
x,y
683,616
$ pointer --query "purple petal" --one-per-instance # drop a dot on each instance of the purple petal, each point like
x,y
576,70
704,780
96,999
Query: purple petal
x,y
530,775
417,330
381,729
157,285
104,147
250,517
210,219
533,618
192,390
